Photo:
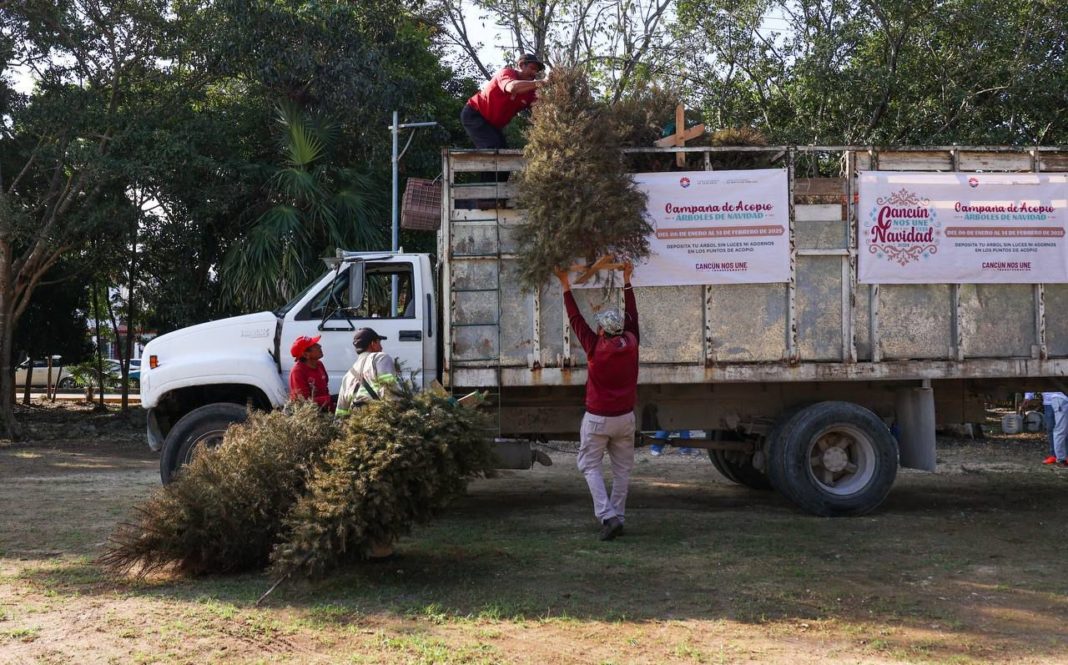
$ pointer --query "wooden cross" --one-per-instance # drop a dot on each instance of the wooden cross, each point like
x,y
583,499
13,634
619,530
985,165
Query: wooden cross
x,y
681,135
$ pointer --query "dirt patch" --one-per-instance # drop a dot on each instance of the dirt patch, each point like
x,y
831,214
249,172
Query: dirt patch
x,y
965,565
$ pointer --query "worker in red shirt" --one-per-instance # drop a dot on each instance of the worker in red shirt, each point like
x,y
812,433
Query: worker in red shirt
x,y
510,91
308,378
611,392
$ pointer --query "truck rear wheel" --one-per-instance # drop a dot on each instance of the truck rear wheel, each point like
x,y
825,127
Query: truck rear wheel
x,y
737,466
204,426
833,459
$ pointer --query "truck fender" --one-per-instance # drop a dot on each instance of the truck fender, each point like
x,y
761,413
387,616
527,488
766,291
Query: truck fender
x,y
254,369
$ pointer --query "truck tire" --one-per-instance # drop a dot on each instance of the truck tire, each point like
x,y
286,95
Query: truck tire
x,y
833,459
203,426
737,466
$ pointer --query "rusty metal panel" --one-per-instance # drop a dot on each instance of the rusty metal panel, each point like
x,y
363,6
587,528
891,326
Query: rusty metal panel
x,y
552,325
670,324
748,322
474,344
474,308
517,317
998,320
819,226
862,322
820,235
468,275
473,239
1056,296
819,304
915,321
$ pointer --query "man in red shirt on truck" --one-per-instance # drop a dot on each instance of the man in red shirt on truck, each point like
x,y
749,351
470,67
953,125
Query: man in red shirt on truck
x,y
611,392
510,91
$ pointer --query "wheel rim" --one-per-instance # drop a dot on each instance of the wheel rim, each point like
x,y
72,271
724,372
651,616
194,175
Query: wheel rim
x,y
204,441
841,459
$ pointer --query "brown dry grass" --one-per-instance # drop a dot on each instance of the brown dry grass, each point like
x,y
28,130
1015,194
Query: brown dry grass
x,y
963,566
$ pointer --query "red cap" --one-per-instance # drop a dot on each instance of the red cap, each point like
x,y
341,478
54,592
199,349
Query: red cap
x,y
302,344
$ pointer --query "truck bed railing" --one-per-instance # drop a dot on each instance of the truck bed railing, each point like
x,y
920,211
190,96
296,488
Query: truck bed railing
x,y
820,323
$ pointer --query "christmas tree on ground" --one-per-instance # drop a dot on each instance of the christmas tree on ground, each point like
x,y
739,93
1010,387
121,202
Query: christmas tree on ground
x,y
579,201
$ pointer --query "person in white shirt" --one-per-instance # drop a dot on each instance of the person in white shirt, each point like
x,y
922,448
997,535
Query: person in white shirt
x,y
371,376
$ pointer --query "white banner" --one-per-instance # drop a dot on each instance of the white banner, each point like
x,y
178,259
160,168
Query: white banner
x,y
962,228
716,227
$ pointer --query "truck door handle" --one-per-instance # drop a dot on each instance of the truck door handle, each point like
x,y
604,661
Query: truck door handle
x,y
410,335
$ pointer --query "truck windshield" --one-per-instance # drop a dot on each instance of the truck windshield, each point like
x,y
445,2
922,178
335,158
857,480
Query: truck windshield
x,y
284,309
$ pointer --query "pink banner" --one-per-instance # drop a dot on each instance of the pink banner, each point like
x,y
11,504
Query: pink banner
x,y
716,227
962,228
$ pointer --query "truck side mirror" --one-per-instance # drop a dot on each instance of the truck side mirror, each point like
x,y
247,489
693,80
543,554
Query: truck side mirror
x,y
356,282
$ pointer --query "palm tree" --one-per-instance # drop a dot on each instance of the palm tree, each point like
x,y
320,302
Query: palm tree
x,y
315,207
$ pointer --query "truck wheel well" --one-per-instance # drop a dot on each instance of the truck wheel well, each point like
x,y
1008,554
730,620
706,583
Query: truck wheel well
x,y
177,403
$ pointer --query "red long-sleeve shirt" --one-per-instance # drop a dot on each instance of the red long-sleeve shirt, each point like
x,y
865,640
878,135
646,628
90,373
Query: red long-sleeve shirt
x,y
612,362
313,384
497,105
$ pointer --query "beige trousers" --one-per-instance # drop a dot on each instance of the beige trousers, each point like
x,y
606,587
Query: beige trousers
x,y
614,434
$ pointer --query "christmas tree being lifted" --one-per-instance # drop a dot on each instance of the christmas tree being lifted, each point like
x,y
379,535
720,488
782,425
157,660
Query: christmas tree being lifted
x,y
580,203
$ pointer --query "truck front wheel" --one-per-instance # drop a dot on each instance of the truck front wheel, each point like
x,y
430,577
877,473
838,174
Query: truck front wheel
x,y
833,459
203,426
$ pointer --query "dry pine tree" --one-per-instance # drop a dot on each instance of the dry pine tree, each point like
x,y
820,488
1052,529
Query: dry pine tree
x,y
578,199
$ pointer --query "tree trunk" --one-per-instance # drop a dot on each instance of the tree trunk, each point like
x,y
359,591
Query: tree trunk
x,y
99,345
10,428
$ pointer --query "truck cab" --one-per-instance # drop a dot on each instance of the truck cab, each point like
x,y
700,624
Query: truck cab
x,y
199,380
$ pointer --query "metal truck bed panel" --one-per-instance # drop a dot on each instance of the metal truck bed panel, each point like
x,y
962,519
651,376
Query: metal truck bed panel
x,y
821,326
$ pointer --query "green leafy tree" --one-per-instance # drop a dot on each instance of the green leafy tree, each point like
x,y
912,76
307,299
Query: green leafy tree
x,y
887,72
317,206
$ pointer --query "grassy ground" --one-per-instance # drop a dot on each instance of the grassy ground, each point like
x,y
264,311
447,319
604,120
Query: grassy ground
x,y
966,565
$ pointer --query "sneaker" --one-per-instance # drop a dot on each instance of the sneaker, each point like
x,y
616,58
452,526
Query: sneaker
x,y
656,449
613,527
1050,460
1059,464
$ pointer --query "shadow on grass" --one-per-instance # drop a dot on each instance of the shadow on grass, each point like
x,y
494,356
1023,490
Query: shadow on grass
x,y
950,565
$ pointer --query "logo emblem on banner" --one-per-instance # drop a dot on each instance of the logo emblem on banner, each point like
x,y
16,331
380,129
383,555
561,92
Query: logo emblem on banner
x,y
973,182
904,228
685,182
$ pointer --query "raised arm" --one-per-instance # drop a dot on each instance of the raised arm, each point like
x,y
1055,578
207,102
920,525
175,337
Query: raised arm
x,y
510,83
630,306
586,337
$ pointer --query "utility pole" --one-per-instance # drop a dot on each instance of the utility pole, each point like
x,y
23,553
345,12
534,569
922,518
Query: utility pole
x,y
395,130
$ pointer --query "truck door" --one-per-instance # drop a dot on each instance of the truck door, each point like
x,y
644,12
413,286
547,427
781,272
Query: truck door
x,y
331,314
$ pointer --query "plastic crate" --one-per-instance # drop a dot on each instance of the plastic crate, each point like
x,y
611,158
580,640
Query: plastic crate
x,y
421,207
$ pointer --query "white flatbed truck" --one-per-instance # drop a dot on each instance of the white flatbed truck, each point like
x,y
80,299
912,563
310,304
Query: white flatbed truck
x,y
819,387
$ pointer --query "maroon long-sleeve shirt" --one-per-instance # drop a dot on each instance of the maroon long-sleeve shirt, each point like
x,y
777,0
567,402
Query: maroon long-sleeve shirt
x,y
612,362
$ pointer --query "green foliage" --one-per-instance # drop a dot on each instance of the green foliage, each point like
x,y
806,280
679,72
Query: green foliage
x,y
224,511
898,72
395,463
318,206
579,200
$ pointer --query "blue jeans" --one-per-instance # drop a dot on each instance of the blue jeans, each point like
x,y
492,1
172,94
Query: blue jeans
x,y
1060,430
1047,414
